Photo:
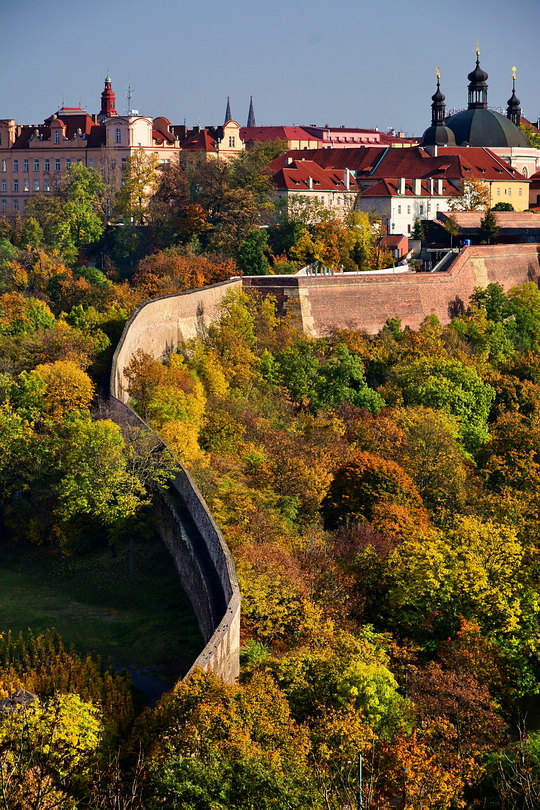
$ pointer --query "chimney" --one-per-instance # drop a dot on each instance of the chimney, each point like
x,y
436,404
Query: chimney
x,y
310,182
439,186
347,179
401,185
417,187
431,184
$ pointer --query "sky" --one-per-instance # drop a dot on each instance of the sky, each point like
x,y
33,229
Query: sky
x,y
337,62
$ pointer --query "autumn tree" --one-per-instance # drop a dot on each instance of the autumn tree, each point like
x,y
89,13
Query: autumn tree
x,y
474,195
489,229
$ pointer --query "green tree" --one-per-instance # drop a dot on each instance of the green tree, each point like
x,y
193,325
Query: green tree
x,y
488,227
139,182
73,215
502,206
448,384
418,231
251,258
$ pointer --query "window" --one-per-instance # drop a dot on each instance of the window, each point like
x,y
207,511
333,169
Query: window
x,y
15,185
118,136
15,205
421,209
4,186
408,209
15,165
36,185
57,136
509,192
46,165
4,205
57,164
46,185
525,173
91,162
26,185
498,192
4,165
520,192
25,165
408,228
231,140
68,163
36,165
399,209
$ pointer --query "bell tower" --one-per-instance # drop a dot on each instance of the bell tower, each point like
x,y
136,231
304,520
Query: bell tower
x,y
108,101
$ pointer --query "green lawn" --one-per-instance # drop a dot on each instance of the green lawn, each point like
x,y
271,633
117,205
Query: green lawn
x,y
144,620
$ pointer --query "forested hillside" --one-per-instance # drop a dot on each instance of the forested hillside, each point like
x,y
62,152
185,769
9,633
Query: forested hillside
x,y
379,496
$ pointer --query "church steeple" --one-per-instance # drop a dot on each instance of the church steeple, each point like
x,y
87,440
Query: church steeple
x,y
438,108
513,111
251,114
108,101
477,85
228,116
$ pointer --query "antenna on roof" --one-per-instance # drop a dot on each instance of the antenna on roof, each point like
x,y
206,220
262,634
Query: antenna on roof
x,y
129,94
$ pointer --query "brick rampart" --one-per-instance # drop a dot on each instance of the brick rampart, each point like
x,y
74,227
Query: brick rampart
x,y
365,301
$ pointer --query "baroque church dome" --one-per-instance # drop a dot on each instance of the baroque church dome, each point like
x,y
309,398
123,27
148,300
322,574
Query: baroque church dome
x,y
477,125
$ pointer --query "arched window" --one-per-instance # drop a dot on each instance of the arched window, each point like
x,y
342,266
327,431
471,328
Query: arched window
x,y
118,136
525,172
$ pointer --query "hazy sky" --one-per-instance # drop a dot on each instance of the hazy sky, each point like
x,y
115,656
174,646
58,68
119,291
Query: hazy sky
x,y
350,62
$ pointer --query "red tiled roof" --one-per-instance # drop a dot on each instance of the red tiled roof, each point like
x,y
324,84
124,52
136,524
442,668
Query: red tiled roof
x,y
203,141
388,187
454,163
274,133
296,177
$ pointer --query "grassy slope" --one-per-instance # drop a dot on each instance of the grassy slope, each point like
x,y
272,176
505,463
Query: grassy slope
x,y
93,603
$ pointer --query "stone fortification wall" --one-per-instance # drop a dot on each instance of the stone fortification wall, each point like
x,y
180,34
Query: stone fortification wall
x,y
159,325
324,303
200,554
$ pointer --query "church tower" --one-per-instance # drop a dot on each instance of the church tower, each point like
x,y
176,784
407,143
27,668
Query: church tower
x,y
228,116
251,114
477,86
108,101
513,111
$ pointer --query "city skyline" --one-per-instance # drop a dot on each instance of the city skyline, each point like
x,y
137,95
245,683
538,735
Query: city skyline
x,y
352,65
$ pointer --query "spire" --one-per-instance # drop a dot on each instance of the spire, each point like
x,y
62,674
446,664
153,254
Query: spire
x,y
251,114
513,111
228,116
438,108
108,101
477,85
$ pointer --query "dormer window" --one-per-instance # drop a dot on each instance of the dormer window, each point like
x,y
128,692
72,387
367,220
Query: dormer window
x,y
57,136
118,136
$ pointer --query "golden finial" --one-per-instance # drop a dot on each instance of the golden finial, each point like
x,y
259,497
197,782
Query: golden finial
x,y
477,49
514,71
438,72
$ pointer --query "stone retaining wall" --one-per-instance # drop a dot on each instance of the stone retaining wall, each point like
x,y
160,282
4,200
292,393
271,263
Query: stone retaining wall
x,y
200,554
324,303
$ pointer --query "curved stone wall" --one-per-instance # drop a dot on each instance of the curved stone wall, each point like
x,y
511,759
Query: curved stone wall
x,y
200,554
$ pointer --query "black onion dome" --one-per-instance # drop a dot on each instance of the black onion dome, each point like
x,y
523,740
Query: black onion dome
x,y
513,101
437,96
478,76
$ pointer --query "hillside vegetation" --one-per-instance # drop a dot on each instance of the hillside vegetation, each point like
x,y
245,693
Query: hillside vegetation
x,y
379,496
